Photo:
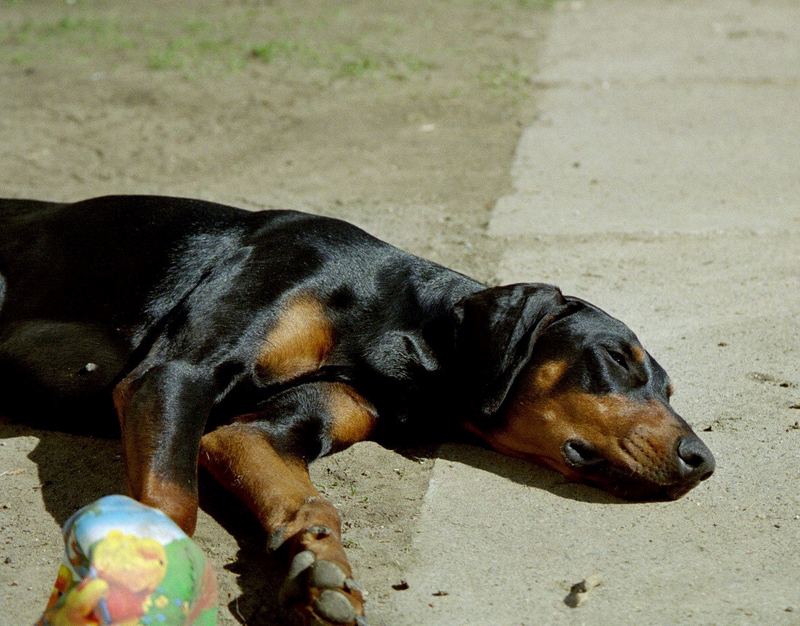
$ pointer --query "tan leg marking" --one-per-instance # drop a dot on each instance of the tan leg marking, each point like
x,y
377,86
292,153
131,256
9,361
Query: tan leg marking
x,y
144,483
178,502
278,490
275,488
299,342
353,417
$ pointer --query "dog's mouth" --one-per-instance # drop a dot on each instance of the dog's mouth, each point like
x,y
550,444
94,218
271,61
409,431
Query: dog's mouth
x,y
592,467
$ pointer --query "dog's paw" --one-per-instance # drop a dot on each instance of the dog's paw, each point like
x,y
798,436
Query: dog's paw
x,y
319,592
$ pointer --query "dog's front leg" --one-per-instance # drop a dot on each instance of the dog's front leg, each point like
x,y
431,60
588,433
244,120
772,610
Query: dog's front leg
x,y
263,463
162,414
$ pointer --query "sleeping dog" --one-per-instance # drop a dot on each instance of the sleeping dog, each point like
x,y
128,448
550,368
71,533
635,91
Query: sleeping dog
x,y
252,343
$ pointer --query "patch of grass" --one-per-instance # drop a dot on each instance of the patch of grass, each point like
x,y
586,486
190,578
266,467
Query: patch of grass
x,y
168,58
197,55
87,31
501,5
317,46
536,4
20,58
270,50
357,66
504,78
199,46
197,27
16,35
416,64
67,31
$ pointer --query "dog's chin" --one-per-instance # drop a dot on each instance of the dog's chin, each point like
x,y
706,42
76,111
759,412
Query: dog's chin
x,y
631,487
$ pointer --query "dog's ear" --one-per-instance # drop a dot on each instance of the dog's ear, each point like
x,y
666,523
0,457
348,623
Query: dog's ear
x,y
496,330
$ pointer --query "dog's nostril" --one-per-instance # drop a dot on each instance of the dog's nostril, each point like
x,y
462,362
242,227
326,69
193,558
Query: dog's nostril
x,y
580,454
694,459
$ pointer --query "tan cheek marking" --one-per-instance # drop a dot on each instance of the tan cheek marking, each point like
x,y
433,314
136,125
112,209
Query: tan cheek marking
x,y
298,343
541,426
353,418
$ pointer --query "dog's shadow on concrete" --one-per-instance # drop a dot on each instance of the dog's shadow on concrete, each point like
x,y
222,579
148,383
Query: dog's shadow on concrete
x,y
74,470
259,573
470,452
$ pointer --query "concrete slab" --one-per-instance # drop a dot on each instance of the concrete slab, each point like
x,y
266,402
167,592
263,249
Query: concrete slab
x,y
722,554
736,41
690,235
632,125
619,160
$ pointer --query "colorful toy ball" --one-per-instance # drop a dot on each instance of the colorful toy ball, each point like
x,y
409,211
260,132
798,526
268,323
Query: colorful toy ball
x,y
126,563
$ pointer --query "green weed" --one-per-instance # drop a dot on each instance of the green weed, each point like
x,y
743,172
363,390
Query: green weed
x,y
504,78
270,50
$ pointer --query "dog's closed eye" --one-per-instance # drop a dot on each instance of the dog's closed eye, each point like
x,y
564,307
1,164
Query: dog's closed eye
x,y
618,358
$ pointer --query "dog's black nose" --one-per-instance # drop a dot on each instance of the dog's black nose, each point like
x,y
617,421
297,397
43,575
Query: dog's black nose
x,y
695,461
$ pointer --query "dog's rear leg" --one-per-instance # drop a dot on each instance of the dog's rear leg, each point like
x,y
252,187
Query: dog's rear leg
x,y
162,416
253,461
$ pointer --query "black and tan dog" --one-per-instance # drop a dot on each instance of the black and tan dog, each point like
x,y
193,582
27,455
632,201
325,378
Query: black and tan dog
x,y
257,342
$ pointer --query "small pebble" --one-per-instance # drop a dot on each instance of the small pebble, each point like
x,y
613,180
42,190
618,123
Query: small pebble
x,y
579,592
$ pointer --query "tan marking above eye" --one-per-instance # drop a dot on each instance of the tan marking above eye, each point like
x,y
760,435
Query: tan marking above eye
x,y
638,354
299,342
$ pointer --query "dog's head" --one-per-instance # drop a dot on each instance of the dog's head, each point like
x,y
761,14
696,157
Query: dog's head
x,y
556,380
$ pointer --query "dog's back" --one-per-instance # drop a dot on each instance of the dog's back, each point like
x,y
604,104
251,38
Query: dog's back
x,y
83,285
90,287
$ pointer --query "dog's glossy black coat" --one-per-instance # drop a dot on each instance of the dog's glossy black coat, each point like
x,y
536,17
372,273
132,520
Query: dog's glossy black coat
x,y
117,281
169,303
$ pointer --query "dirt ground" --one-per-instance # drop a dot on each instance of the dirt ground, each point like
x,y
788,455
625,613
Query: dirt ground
x,y
400,116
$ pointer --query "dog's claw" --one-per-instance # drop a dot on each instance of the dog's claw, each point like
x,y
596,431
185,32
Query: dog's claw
x,y
335,606
327,575
361,620
301,561
292,588
319,532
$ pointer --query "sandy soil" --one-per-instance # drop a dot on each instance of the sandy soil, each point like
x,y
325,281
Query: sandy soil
x,y
401,117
